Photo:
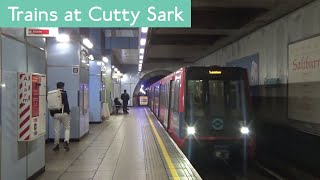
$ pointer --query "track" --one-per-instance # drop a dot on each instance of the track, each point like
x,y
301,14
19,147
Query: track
x,y
220,169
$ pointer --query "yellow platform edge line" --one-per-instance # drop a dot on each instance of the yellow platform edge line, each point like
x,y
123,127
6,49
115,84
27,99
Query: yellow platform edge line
x,y
172,169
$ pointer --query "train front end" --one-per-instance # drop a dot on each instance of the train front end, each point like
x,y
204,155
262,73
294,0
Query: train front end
x,y
217,114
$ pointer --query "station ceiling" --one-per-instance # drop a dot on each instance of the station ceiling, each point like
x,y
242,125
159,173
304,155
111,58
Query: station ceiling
x,y
215,24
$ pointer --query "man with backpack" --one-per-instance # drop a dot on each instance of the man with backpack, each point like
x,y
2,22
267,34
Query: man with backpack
x,y
125,98
59,109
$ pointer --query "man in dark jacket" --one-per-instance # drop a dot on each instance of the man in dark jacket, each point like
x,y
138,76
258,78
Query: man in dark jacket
x,y
125,98
62,116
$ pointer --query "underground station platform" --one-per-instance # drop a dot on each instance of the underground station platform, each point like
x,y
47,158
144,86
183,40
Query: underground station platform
x,y
130,146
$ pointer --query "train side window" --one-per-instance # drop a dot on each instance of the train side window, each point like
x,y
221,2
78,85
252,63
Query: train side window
x,y
176,95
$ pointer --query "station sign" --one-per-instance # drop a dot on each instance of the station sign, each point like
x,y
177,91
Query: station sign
x,y
42,32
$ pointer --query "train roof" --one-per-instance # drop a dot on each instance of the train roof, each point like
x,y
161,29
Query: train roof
x,y
190,68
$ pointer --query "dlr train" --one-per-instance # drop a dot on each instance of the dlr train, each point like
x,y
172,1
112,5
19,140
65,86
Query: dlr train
x,y
206,110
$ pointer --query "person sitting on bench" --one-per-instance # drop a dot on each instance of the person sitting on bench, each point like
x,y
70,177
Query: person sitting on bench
x,y
118,104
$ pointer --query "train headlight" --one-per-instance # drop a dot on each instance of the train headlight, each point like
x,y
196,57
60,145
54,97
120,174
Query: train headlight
x,y
244,130
191,130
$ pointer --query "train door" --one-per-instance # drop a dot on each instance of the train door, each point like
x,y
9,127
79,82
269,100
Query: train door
x,y
153,99
171,103
159,100
167,105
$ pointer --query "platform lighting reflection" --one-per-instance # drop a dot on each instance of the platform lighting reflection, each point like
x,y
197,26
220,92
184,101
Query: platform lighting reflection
x,y
63,38
87,43
143,42
3,85
141,90
140,61
104,59
141,57
99,63
141,51
83,61
144,30
112,67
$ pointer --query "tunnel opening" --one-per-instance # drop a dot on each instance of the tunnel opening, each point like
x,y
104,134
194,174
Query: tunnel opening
x,y
146,81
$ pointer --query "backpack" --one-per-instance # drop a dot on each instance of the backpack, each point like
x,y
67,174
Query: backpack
x,y
55,100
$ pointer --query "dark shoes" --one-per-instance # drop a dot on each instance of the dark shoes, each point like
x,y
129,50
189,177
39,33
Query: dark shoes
x,y
56,148
66,146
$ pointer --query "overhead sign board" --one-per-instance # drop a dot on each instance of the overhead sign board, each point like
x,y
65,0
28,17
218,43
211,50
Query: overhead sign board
x,y
42,32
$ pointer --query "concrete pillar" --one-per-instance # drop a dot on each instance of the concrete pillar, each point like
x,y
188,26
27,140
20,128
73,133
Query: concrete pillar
x,y
67,62
19,160
95,86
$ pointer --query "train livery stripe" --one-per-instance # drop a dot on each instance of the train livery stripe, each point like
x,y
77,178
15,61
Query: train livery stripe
x,y
163,149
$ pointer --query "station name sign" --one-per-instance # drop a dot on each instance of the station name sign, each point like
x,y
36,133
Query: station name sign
x,y
97,13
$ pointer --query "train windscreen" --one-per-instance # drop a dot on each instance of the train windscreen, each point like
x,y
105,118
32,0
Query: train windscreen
x,y
216,104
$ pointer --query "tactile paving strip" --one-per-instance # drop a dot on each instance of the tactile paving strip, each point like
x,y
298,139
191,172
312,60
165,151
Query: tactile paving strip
x,y
153,160
183,167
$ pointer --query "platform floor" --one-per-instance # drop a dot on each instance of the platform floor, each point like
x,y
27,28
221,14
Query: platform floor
x,y
125,147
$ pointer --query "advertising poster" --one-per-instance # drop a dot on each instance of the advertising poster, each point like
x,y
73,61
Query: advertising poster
x,y
304,85
36,81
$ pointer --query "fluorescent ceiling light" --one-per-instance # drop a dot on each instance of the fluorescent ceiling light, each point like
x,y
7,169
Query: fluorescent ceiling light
x,y
141,57
140,61
143,41
42,49
144,30
63,38
84,61
115,69
112,67
141,51
104,59
140,65
87,43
